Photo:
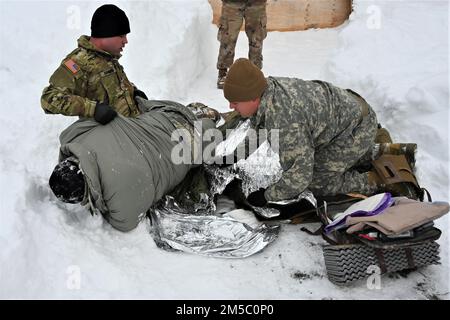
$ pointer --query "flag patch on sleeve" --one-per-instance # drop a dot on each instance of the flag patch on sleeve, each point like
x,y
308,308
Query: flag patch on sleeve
x,y
72,66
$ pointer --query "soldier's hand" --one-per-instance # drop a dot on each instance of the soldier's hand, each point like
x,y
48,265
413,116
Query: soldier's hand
x,y
104,113
139,93
257,198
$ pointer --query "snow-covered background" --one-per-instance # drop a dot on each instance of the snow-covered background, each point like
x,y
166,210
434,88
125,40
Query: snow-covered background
x,y
394,53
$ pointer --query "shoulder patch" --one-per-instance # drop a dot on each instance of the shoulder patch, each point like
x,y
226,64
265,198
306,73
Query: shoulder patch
x,y
72,66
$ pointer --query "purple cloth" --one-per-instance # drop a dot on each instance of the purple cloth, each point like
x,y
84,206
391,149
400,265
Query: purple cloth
x,y
385,203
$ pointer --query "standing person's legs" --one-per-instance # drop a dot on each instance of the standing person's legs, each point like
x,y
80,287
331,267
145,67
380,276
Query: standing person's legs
x,y
332,169
255,28
230,24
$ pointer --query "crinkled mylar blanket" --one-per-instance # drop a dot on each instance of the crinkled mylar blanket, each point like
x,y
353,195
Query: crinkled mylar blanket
x,y
208,233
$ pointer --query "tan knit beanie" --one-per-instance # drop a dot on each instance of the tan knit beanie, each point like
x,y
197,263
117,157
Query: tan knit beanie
x,y
244,82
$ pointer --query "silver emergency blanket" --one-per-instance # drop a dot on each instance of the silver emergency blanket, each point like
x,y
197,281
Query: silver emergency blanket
x,y
209,235
260,170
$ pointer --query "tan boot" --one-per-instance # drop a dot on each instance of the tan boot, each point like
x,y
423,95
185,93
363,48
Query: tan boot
x,y
407,149
383,136
221,78
392,173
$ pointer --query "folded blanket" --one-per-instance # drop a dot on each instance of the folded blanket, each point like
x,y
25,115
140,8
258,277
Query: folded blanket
x,y
371,206
404,215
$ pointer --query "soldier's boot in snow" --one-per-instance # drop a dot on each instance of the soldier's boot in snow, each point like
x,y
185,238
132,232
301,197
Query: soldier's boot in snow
x,y
221,78
392,173
407,149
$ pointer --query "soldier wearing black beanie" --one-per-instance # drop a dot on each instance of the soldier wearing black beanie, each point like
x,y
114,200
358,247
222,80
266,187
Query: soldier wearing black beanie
x,y
90,82
109,21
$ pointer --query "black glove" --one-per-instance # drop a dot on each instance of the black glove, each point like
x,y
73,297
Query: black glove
x,y
104,113
257,198
139,93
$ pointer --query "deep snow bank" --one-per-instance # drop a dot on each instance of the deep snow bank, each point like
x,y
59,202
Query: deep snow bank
x,y
170,46
400,68
396,55
45,241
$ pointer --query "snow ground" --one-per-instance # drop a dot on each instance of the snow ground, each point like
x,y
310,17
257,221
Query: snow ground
x,y
395,53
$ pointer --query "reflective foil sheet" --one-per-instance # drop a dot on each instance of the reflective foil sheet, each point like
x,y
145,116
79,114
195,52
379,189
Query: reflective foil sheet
x,y
210,235
260,170
201,229
232,140
307,195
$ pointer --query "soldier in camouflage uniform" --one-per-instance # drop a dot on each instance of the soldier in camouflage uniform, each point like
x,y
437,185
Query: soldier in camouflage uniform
x,y
90,82
233,12
323,131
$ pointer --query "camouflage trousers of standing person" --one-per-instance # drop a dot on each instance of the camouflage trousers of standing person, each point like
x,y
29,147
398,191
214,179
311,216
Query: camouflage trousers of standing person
x,y
334,165
230,24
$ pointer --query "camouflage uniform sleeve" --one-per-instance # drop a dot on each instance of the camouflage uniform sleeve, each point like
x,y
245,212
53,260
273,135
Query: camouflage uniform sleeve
x,y
296,152
62,96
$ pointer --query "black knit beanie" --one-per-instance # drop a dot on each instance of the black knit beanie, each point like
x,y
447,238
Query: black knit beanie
x,y
67,182
109,21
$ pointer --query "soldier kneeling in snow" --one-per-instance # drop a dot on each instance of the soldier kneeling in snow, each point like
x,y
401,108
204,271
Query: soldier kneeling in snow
x,y
90,82
324,133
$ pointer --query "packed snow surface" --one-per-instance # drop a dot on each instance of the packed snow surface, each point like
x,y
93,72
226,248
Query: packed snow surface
x,y
394,53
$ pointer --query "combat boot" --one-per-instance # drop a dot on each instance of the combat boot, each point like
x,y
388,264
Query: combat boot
x,y
407,149
392,173
221,78
382,135
398,189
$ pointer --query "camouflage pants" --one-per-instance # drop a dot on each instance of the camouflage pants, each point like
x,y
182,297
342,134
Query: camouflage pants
x,y
230,25
333,168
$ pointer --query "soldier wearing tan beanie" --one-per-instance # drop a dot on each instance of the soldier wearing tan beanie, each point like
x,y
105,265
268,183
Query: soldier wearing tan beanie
x,y
323,131
244,82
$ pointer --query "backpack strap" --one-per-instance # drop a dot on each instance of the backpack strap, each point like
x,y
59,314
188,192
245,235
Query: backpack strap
x,y
318,232
381,261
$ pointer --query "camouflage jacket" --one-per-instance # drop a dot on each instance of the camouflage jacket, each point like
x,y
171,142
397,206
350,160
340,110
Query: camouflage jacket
x,y
308,115
86,76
